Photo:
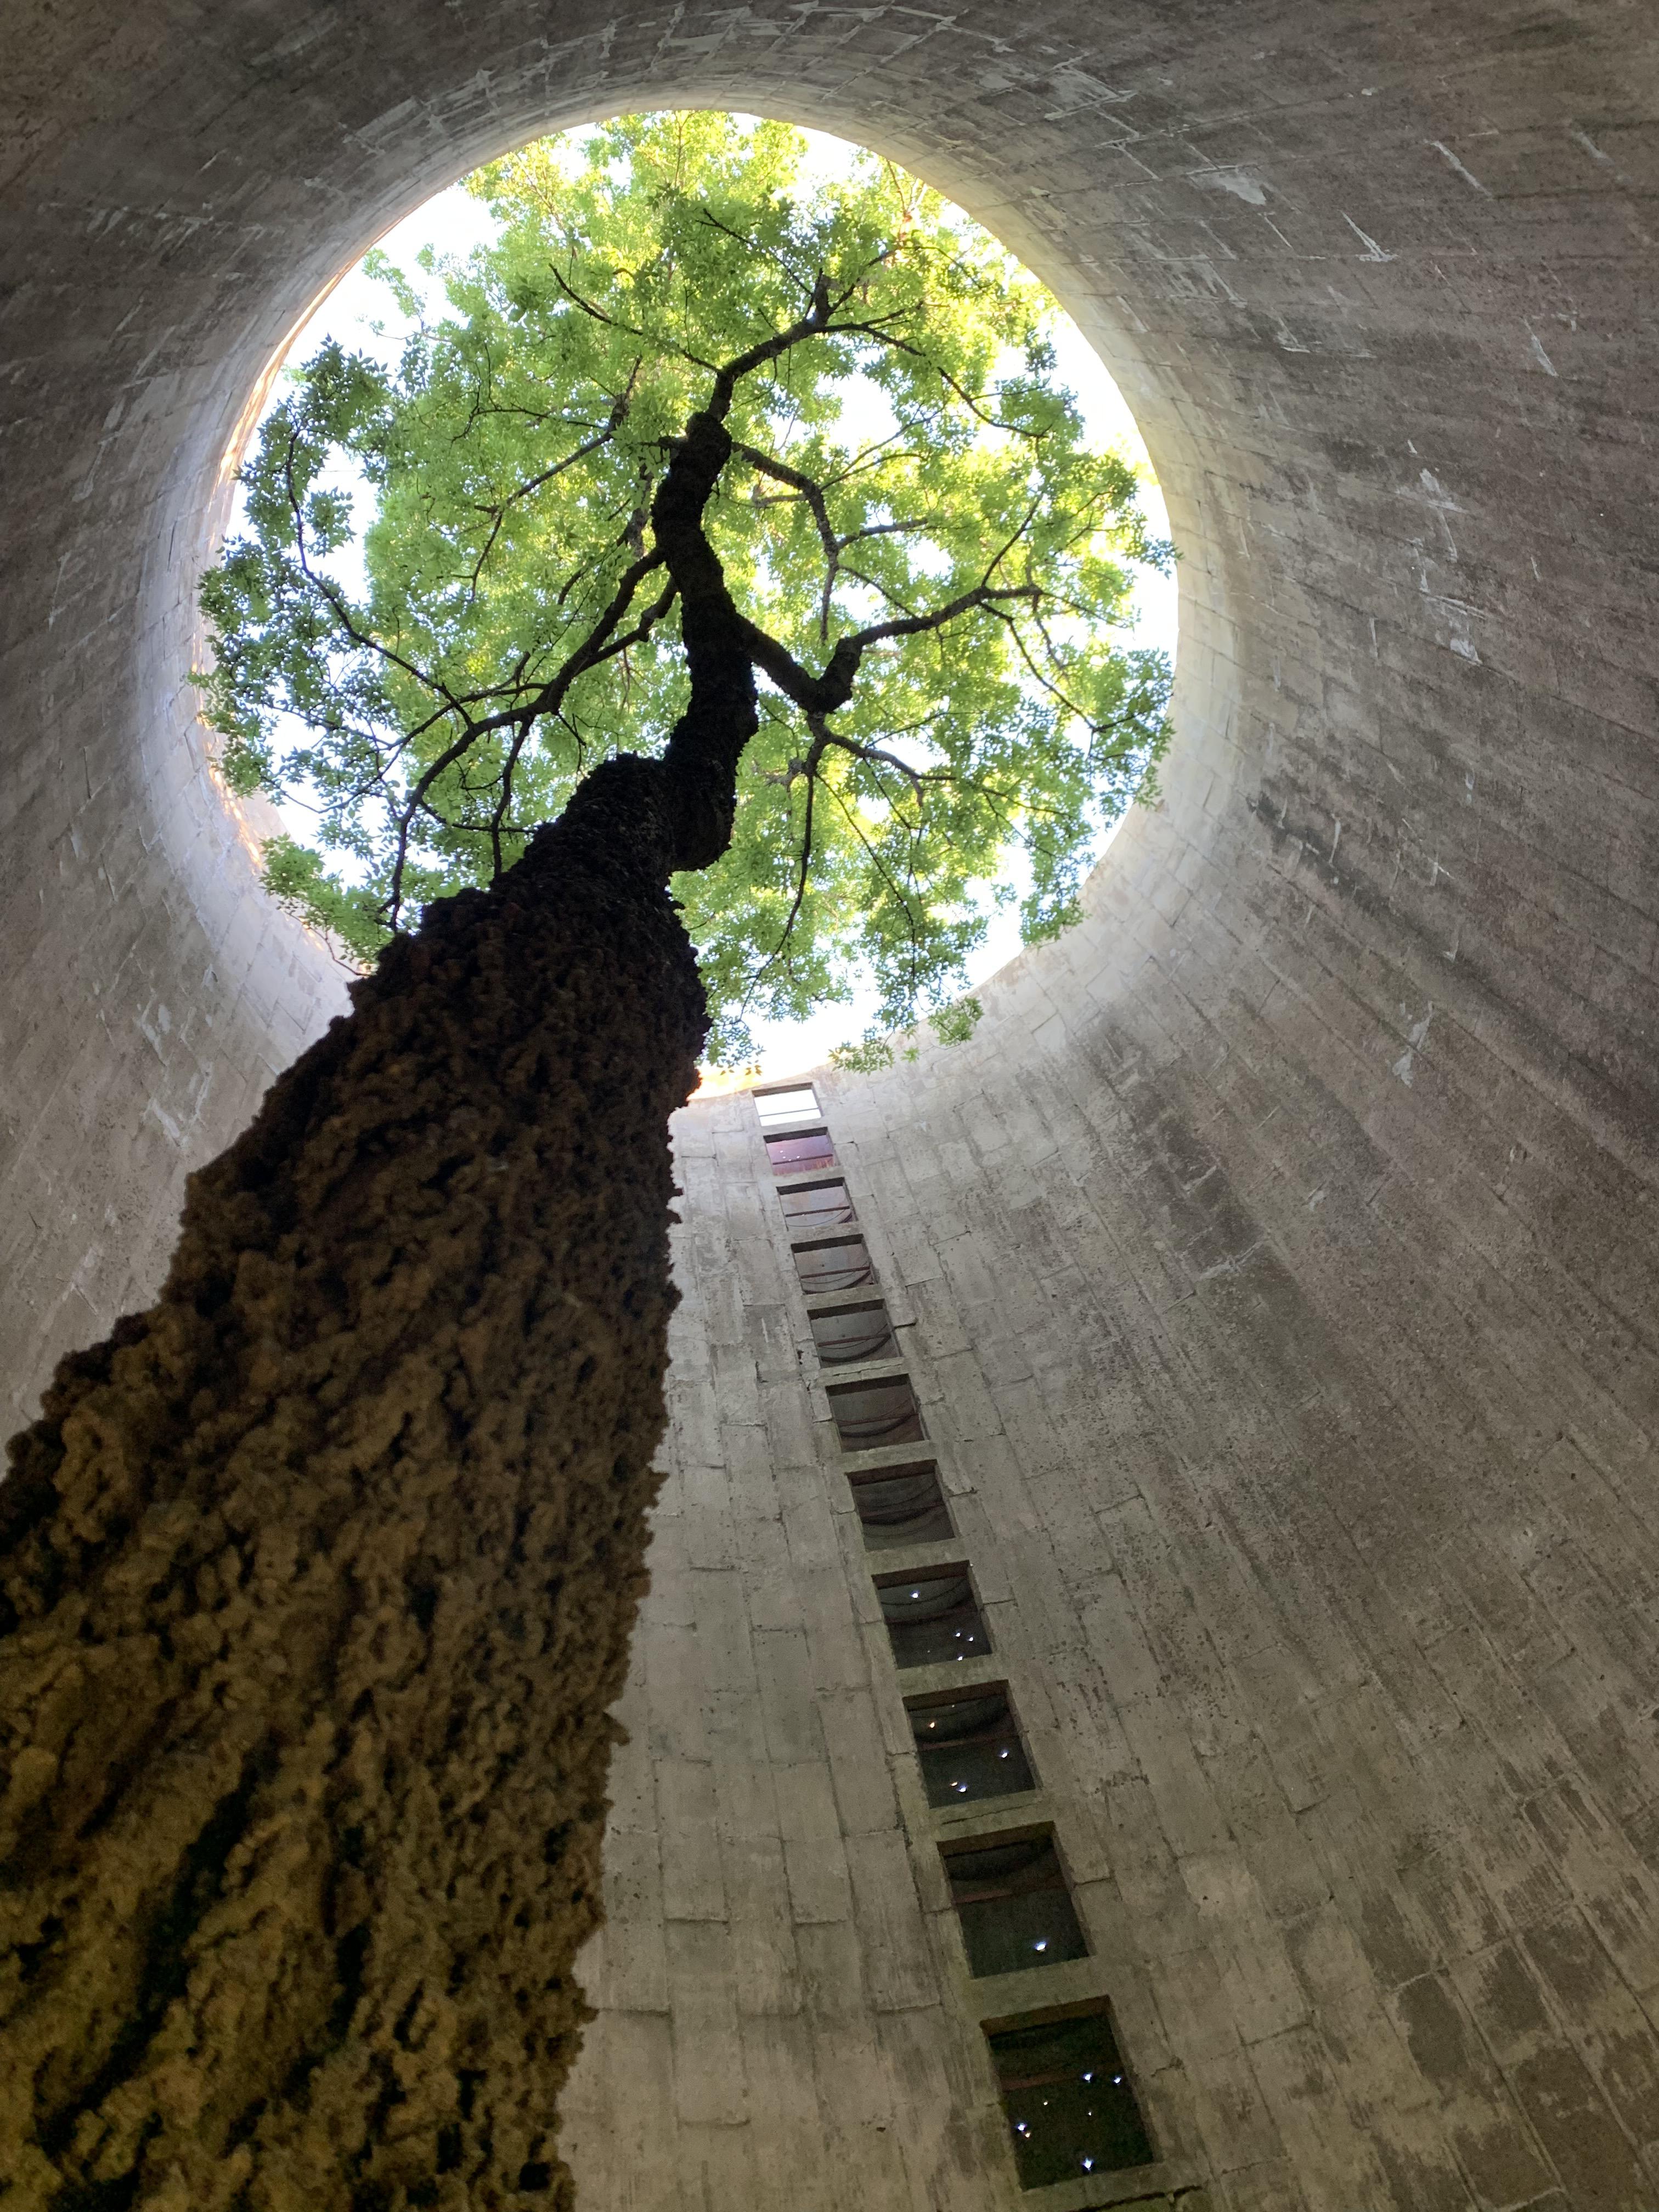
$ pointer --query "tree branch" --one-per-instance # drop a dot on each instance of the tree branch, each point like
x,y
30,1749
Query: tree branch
x,y
321,585
619,416
825,694
812,492
599,645
810,768
860,751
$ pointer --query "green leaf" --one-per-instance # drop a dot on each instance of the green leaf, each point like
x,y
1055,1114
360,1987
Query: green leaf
x,y
298,880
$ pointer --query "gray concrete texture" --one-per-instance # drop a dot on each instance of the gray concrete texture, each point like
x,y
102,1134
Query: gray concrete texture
x,y
1277,1266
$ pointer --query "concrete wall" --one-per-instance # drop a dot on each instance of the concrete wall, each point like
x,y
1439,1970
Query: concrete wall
x,y
1280,1255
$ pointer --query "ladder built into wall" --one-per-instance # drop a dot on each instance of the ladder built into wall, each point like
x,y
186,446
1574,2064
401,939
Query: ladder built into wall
x,y
1064,2085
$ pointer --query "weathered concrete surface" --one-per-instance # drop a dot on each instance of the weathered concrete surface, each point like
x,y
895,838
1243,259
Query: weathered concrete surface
x,y
1292,1221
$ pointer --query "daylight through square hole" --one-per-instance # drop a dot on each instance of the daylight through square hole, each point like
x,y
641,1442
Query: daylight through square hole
x,y
778,1109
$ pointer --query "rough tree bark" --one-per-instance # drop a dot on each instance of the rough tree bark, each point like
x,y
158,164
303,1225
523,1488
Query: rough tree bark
x,y
319,1575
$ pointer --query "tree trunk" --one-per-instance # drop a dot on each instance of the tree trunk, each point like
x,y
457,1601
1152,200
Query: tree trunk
x,y
320,1577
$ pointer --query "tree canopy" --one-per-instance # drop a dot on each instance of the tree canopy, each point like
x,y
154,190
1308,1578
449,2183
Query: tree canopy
x,y
451,595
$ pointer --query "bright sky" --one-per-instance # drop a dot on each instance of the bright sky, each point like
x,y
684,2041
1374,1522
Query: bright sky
x,y
453,223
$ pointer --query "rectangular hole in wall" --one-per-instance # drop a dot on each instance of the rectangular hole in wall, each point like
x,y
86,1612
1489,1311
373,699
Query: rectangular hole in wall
x,y
795,1155
1071,2108
901,1506
967,1745
843,1264
932,1617
850,1333
1011,1899
777,1108
818,1206
882,1412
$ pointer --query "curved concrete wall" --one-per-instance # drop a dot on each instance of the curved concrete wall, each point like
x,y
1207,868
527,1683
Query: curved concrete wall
x,y
1282,1250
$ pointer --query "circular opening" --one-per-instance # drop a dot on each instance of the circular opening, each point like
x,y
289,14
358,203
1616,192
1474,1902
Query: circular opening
x,y
423,275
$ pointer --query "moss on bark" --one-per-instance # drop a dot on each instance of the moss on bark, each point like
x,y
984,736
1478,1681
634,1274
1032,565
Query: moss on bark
x,y
320,1576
